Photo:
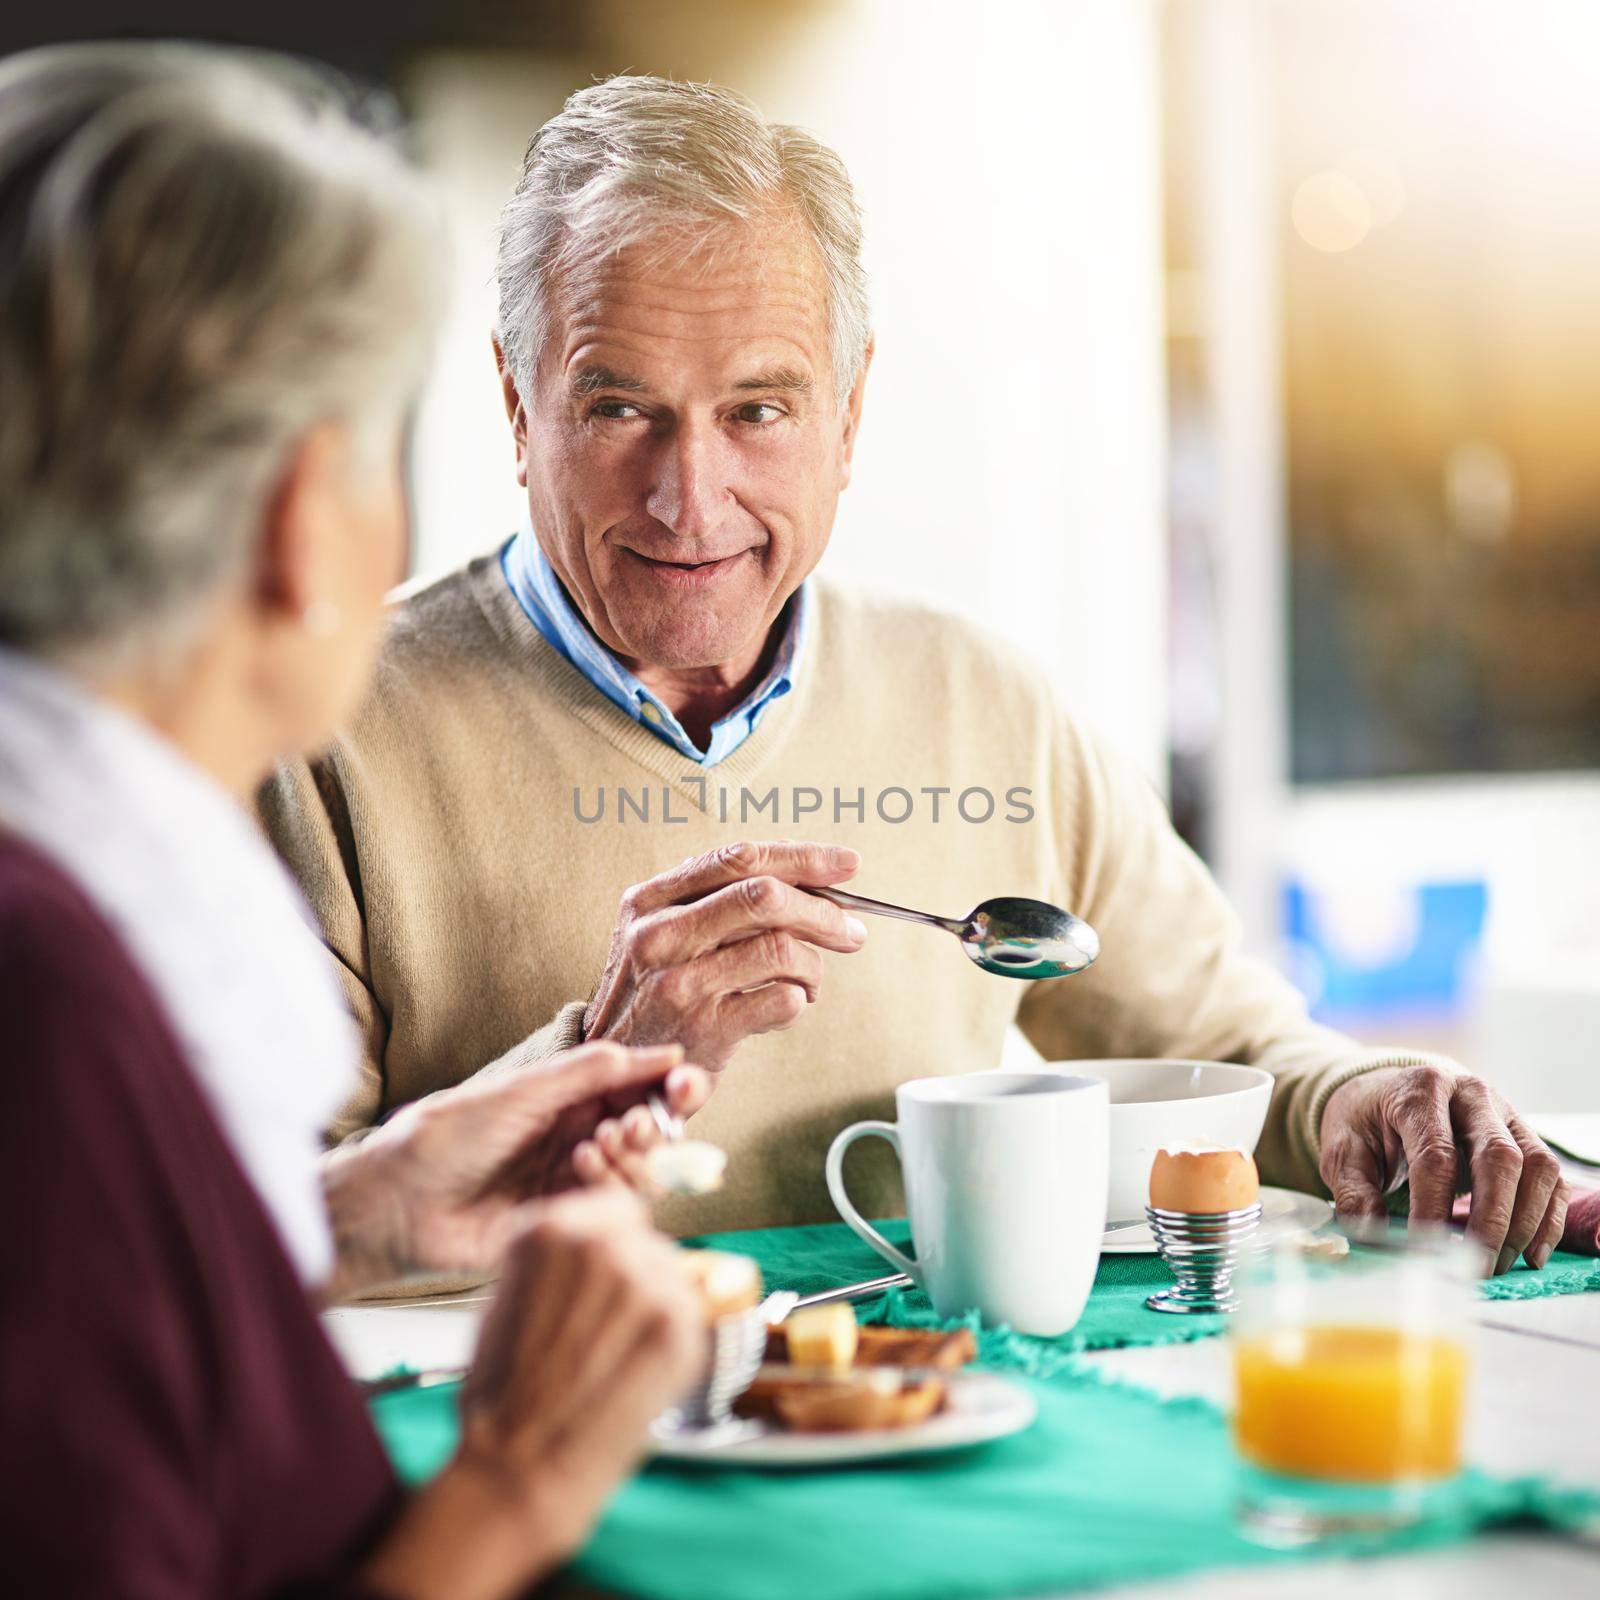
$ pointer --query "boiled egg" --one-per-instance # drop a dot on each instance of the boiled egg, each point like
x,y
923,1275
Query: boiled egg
x,y
728,1284
1203,1179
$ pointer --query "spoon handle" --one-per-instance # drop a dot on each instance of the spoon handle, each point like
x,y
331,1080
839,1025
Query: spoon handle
x,y
881,908
671,1128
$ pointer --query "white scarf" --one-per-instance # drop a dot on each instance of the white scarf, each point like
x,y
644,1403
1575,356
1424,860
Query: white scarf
x,y
209,916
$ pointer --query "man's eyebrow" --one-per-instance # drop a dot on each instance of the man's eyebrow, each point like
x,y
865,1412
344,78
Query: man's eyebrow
x,y
592,379
784,380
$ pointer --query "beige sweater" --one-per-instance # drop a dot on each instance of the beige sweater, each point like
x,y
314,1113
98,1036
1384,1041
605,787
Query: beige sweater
x,y
446,846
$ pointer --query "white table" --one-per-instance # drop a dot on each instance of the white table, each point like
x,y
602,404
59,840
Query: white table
x,y
1537,1412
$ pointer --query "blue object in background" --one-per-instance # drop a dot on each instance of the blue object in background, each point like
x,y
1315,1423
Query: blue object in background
x,y
1429,974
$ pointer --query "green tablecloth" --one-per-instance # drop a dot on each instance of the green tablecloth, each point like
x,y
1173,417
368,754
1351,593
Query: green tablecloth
x,y
1110,1485
811,1259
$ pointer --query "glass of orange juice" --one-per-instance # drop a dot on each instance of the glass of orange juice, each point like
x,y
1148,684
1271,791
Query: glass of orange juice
x,y
1350,1388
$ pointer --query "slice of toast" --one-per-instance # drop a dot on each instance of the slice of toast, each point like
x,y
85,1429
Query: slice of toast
x,y
851,1401
944,1348
857,1405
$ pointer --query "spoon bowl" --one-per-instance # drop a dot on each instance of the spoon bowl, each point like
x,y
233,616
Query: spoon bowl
x,y
1011,937
1028,939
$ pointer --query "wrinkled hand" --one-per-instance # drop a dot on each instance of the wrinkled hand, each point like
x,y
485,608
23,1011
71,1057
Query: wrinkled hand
x,y
1449,1133
437,1188
593,1333
723,947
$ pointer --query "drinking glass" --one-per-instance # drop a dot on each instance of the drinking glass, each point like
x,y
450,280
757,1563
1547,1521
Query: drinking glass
x,y
1350,1387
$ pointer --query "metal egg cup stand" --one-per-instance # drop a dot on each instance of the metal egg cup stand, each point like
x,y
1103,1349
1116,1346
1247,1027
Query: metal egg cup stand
x,y
1202,1250
738,1346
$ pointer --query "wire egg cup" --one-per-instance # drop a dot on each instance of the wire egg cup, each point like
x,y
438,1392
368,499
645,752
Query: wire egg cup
x,y
738,1345
1203,1250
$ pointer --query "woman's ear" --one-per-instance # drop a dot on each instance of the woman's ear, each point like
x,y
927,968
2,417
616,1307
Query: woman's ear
x,y
298,563
331,546
516,412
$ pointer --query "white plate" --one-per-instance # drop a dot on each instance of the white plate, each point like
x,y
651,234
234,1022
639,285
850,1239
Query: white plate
x,y
1576,1135
1280,1208
980,1406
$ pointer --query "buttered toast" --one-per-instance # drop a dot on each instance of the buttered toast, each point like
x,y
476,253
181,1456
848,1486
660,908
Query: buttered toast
x,y
875,1391
945,1348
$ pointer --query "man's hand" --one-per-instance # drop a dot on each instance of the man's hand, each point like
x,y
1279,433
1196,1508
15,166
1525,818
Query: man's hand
x,y
1447,1133
723,947
437,1187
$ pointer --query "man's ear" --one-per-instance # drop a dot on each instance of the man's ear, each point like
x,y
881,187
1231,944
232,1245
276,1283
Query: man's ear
x,y
852,415
516,413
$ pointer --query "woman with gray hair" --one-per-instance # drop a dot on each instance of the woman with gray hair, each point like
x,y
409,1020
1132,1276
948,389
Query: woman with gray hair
x,y
216,300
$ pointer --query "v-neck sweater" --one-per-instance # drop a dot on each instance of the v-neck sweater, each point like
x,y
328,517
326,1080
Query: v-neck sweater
x,y
466,842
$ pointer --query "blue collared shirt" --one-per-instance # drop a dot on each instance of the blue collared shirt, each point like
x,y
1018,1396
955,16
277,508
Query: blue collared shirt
x,y
539,592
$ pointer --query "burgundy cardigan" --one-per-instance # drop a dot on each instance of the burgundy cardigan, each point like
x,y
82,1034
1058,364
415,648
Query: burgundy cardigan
x,y
173,1424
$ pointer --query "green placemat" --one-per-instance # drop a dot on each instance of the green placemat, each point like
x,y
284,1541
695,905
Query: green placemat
x,y
1561,1274
1110,1485
828,1256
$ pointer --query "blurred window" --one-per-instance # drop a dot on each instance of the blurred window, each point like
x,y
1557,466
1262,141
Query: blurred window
x,y
1441,295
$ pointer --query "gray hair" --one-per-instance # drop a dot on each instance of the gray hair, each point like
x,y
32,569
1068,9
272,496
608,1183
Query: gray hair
x,y
639,158
200,260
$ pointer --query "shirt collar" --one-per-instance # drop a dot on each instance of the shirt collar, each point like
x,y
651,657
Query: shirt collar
x,y
540,593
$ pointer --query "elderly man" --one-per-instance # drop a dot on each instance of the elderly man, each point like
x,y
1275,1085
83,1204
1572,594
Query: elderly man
x,y
646,691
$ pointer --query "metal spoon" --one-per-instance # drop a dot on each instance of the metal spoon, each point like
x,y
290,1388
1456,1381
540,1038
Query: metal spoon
x,y
671,1126
1015,938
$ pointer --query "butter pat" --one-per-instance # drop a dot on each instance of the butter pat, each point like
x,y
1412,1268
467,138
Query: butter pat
x,y
822,1336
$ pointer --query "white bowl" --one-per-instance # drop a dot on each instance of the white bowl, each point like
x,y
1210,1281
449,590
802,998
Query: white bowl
x,y
1155,1103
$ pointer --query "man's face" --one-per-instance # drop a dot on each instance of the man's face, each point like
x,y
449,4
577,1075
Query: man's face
x,y
684,448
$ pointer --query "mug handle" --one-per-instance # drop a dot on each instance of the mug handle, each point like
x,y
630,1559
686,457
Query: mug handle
x,y
858,1224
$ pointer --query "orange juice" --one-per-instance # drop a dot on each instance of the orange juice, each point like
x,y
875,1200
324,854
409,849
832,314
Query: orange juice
x,y
1354,1404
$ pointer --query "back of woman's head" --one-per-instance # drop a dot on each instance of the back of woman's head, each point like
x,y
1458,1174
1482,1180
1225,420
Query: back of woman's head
x,y
200,260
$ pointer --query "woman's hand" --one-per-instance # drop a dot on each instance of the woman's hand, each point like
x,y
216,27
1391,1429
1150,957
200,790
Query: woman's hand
x,y
438,1187
593,1333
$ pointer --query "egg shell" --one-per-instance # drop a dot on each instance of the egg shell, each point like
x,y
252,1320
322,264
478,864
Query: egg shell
x,y
1203,1182
728,1284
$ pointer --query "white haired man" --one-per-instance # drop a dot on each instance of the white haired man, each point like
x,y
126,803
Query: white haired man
x,y
643,691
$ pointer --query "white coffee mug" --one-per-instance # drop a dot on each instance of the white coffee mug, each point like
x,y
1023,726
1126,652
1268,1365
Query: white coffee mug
x,y
1005,1177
